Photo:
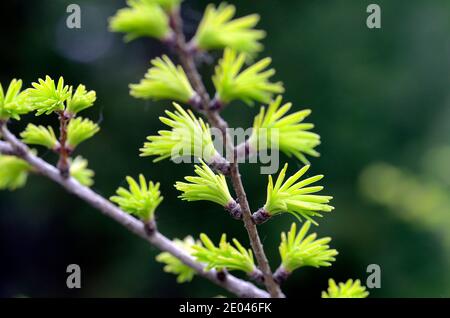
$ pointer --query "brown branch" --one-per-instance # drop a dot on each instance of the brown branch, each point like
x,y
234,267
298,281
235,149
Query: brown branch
x,y
237,286
63,162
188,63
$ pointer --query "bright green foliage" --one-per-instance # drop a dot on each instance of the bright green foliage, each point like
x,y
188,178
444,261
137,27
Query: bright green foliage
x,y
79,130
206,186
174,265
224,256
288,133
249,85
40,135
13,103
13,172
164,81
189,136
47,97
349,289
141,18
80,100
295,198
298,250
79,171
217,30
141,199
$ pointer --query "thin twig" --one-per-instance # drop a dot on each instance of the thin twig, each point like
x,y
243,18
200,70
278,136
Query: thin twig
x,y
234,285
188,63
63,163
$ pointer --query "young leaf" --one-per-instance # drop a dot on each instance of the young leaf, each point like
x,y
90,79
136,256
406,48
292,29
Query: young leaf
x,y
224,256
40,135
249,85
294,197
217,30
79,130
174,265
288,133
298,250
13,172
14,102
164,81
189,136
349,289
141,18
206,186
140,200
80,100
46,97
79,171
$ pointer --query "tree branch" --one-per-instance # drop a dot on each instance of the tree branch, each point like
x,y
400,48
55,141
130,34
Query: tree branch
x,y
234,285
6,149
63,163
188,63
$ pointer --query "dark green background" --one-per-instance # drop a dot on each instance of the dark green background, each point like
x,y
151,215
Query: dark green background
x,y
376,95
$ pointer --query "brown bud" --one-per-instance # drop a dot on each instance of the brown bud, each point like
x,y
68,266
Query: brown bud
x,y
261,216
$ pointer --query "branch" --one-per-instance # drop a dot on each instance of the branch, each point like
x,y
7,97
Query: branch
x,y
188,63
243,151
234,285
6,149
63,163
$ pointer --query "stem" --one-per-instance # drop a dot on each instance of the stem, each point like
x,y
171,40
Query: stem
x,y
252,231
6,149
214,118
244,151
234,285
63,163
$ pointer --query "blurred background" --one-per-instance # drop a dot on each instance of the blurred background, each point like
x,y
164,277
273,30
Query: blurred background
x,y
380,101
